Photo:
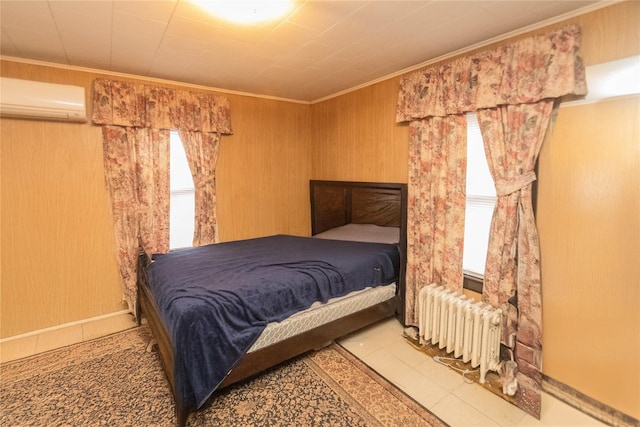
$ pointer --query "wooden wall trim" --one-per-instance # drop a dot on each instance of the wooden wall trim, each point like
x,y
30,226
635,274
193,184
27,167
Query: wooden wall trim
x,y
586,404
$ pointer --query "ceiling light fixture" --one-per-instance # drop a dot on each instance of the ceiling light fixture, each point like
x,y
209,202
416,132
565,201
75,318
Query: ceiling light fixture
x,y
246,11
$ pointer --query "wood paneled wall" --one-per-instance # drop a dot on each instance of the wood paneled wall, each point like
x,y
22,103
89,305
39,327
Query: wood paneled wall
x,y
356,137
588,224
264,170
58,264
58,254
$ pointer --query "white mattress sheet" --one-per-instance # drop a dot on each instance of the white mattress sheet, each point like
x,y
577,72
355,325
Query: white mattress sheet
x,y
322,313
362,233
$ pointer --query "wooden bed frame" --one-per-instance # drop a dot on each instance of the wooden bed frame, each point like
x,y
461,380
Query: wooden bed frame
x,y
337,203
333,203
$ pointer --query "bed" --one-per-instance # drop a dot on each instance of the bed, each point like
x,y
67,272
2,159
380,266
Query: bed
x,y
348,275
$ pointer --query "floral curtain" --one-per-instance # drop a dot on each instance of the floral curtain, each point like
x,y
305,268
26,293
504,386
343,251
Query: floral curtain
x,y
512,136
529,74
202,154
436,200
544,66
136,164
132,104
137,120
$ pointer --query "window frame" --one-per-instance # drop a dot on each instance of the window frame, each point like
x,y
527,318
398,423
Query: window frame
x,y
180,191
475,282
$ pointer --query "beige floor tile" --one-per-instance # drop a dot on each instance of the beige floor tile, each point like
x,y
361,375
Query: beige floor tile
x,y
107,326
385,332
59,338
529,421
439,374
444,391
18,348
384,362
557,413
370,339
407,353
389,324
407,379
360,346
422,390
499,410
456,412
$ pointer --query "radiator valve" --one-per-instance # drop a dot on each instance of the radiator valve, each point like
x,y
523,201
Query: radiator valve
x,y
508,374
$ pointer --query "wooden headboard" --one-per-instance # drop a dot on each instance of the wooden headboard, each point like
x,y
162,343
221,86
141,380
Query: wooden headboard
x,y
337,203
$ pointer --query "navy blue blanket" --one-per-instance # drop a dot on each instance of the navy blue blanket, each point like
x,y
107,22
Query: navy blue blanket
x,y
216,300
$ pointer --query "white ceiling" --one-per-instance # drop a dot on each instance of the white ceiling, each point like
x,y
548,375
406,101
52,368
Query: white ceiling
x,y
320,49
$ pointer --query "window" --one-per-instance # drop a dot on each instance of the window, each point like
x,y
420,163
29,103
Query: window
x,y
182,214
481,200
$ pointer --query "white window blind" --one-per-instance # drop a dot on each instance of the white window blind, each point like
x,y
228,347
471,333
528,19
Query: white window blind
x,y
182,196
481,199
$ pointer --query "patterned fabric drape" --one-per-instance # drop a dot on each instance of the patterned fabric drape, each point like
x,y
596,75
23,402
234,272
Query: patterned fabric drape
x,y
537,71
136,164
137,105
512,136
202,154
137,120
436,200
529,70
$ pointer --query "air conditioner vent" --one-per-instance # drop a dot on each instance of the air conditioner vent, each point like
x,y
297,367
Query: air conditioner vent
x,y
26,99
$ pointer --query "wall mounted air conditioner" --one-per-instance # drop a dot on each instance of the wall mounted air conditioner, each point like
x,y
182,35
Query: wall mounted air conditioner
x,y
26,99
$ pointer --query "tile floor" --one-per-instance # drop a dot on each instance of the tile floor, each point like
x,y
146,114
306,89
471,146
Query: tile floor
x,y
444,391
383,348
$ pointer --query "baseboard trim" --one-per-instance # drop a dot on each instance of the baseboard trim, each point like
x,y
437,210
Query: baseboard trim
x,y
65,325
586,404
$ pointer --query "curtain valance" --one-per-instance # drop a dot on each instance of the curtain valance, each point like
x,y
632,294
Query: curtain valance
x,y
526,71
137,105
